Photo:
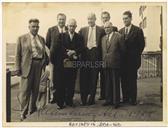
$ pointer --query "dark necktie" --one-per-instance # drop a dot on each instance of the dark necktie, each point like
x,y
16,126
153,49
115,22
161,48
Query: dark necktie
x,y
107,41
126,33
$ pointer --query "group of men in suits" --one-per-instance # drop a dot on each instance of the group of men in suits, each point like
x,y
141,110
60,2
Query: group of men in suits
x,y
118,52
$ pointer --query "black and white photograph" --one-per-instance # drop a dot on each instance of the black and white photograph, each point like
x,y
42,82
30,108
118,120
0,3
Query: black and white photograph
x,y
84,64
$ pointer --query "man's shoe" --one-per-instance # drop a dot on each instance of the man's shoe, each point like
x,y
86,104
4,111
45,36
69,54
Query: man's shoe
x,y
53,102
133,103
107,104
61,107
101,98
91,103
116,106
125,102
22,117
82,104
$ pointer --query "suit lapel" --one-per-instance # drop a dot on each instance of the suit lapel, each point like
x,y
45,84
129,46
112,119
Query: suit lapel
x,y
104,45
41,41
111,41
130,32
97,34
86,36
28,39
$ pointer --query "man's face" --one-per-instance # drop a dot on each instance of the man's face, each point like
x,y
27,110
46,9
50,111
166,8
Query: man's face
x,y
127,20
91,21
108,28
61,20
71,27
105,18
34,27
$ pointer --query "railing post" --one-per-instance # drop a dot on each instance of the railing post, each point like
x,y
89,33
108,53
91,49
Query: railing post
x,y
8,95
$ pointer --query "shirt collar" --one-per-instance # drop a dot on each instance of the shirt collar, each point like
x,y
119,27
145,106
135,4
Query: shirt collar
x,y
32,36
71,33
128,26
59,28
93,27
110,34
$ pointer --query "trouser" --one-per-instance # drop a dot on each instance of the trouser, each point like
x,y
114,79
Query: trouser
x,y
29,88
112,85
89,77
102,84
129,84
64,85
88,84
70,76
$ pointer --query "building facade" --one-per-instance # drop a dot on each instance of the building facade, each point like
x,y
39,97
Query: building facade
x,y
151,22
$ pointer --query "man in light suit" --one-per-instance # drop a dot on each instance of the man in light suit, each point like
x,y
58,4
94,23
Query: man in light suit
x,y
92,35
135,43
53,38
30,59
105,16
112,51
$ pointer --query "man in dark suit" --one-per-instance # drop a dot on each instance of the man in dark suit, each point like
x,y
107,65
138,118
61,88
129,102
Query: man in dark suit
x,y
134,41
73,46
63,53
89,75
53,39
30,59
113,49
105,16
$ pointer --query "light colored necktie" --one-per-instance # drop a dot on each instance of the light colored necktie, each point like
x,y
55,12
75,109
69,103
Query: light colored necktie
x,y
38,48
91,39
71,36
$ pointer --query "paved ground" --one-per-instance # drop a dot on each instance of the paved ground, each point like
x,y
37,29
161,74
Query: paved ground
x,y
148,109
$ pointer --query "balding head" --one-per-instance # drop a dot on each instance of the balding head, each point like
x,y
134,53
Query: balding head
x,y
108,27
72,24
108,24
72,21
91,19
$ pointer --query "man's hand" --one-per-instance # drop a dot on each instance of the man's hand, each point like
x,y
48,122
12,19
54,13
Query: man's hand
x,y
70,52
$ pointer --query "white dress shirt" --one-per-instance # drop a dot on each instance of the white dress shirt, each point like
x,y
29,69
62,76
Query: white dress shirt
x,y
109,36
91,37
61,30
34,50
129,28
71,35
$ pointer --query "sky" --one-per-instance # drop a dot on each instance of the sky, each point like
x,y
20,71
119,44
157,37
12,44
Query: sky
x,y
17,15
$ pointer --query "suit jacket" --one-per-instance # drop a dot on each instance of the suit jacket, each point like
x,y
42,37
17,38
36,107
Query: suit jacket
x,y
24,54
59,48
52,35
113,53
99,34
75,44
135,44
115,29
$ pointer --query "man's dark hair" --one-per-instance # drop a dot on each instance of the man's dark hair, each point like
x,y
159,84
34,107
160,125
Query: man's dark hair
x,y
105,12
34,20
128,13
61,14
